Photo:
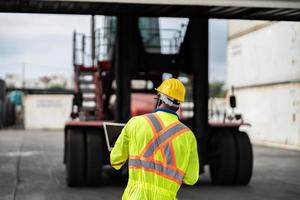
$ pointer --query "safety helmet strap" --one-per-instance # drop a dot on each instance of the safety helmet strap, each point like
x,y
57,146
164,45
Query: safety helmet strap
x,y
168,100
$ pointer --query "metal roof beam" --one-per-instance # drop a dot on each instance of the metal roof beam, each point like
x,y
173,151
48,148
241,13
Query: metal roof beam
x,y
227,9
222,3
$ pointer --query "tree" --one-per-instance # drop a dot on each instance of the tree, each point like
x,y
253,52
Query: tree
x,y
216,89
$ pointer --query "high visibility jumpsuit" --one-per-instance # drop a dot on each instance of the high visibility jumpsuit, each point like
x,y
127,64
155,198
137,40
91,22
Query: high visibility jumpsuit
x,y
162,154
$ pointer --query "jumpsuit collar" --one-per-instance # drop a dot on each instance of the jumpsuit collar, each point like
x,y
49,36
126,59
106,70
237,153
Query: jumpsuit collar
x,y
167,111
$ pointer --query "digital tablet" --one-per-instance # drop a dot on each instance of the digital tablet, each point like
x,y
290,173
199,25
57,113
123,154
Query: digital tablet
x,y
112,132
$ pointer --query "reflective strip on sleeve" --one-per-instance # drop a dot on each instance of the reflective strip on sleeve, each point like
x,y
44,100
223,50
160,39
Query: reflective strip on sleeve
x,y
156,167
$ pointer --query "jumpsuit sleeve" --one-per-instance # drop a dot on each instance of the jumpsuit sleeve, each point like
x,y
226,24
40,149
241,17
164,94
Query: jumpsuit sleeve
x,y
192,171
119,153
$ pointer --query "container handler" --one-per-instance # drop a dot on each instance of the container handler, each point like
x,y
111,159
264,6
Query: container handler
x,y
115,78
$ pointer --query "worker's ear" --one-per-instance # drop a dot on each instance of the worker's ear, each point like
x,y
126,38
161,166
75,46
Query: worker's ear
x,y
159,102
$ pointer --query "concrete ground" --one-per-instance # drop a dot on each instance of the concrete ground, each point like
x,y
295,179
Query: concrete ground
x,y
42,174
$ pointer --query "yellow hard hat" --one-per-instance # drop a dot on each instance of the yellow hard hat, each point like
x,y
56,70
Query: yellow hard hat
x,y
172,88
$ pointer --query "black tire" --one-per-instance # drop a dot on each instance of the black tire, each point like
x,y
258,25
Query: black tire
x,y
223,161
14,114
244,158
1,114
9,113
2,90
75,158
95,157
5,114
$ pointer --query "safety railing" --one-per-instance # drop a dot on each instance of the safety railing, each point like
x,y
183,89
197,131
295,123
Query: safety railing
x,y
166,41
81,54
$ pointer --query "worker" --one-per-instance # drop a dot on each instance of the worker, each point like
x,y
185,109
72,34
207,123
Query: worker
x,y
161,151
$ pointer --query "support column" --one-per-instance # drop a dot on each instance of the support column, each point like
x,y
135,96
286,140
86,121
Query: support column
x,y
126,57
93,40
198,55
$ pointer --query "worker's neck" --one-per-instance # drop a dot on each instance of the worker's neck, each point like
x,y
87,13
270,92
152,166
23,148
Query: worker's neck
x,y
166,109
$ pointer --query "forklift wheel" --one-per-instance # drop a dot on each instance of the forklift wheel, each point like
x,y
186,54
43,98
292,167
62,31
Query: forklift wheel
x,y
94,155
1,114
244,158
10,113
5,116
223,162
75,158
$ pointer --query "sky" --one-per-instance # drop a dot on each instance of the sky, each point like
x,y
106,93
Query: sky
x,y
43,43
217,50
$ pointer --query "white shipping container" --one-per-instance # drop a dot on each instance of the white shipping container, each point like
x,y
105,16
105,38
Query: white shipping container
x,y
47,111
273,112
267,55
237,28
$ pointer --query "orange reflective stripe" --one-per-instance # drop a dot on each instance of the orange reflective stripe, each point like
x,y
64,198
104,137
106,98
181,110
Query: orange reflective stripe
x,y
160,121
167,135
156,126
153,119
156,167
151,125
157,135
167,151
170,138
156,172
163,154
160,163
161,140
173,154
168,166
162,126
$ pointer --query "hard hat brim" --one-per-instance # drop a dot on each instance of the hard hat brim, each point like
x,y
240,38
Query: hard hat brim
x,y
159,91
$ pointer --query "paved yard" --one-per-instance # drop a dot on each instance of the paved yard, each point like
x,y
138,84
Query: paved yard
x,y
42,174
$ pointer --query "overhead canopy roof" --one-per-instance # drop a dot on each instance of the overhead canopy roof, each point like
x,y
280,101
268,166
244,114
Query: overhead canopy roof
x,y
231,9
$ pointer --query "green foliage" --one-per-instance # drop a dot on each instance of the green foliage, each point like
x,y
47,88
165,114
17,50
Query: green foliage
x,y
56,86
216,89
